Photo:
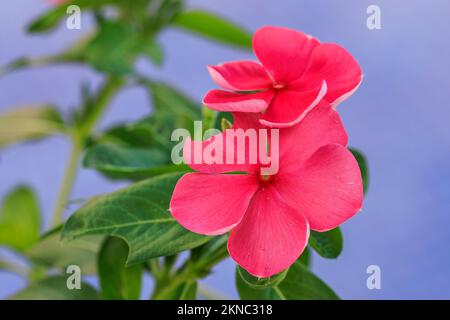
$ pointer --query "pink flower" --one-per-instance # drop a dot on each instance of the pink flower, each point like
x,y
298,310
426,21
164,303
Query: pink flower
x,y
318,187
295,73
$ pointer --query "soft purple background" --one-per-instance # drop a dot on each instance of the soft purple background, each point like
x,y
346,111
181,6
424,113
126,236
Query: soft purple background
x,y
400,117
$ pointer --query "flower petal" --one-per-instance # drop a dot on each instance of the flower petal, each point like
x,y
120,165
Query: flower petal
x,y
327,189
320,127
289,107
241,76
339,69
236,102
211,204
210,156
284,52
270,237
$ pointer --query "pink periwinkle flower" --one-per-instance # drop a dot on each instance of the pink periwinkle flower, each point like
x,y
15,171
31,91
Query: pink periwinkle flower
x,y
318,186
295,73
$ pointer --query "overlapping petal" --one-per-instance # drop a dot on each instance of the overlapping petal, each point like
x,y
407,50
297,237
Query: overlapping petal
x,y
241,76
284,52
290,107
270,237
229,151
320,127
337,67
238,102
327,188
212,204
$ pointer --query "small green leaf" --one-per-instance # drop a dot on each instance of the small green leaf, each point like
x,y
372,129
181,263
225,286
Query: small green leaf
x,y
29,123
19,219
117,281
172,110
327,244
138,134
139,215
213,27
113,50
121,161
255,282
51,252
168,99
55,288
299,284
152,50
223,120
363,166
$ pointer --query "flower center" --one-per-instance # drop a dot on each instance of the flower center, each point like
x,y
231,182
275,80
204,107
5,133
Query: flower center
x,y
265,180
278,85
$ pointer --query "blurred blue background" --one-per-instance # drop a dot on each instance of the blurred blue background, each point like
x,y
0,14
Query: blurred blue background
x,y
399,117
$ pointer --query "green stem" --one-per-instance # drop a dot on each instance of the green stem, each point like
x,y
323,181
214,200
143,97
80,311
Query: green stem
x,y
67,183
78,137
14,268
210,293
171,285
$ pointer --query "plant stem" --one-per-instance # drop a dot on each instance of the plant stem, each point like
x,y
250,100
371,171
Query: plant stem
x,y
67,183
210,293
14,268
78,138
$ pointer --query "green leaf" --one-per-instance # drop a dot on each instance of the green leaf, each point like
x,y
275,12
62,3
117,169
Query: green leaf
x,y
223,118
299,284
55,288
213,27
19,219
29,123
139,215
114,49
152,50
363,166
327,244
305,258
121,161
51,252
172,110
260,283
168,99
147,133
117,281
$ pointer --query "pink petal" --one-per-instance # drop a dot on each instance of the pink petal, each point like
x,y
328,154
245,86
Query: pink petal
x,y
326,189
339,69
320,127
289,107
284,52
209,163
211,204
236,102
270,237
241,76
